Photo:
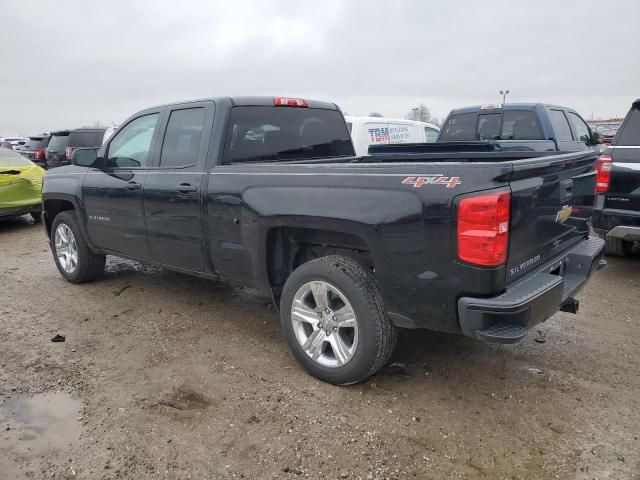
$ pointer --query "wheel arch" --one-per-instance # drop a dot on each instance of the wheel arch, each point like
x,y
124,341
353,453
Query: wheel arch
x,y
287,247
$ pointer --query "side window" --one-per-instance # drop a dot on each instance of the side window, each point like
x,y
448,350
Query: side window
x,y
431,134
582,131
130,146
630,135
182,139
560,126
521,125
489,126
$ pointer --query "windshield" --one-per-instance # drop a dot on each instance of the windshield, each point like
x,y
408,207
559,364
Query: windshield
x,y
285,134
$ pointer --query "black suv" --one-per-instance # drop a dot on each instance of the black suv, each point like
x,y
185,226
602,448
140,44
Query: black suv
x,y
617,209
64,142
34,149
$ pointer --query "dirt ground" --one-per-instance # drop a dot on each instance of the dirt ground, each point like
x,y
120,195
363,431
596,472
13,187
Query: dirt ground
x,y
168,376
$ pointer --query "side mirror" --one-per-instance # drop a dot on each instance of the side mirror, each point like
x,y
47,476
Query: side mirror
x,y
84,157
596,138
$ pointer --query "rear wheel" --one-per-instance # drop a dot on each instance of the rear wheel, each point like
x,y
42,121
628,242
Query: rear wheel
x,y
74,259
333,319
617,247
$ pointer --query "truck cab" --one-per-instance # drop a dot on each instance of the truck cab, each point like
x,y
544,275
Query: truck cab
x,y
520,126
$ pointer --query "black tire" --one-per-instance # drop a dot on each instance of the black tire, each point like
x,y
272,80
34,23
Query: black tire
x,y
377,336
617,247
36,215
90,265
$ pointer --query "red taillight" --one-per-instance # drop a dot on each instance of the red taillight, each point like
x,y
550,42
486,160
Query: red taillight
x,y
68,152
603,173
483,229
39,154
289,102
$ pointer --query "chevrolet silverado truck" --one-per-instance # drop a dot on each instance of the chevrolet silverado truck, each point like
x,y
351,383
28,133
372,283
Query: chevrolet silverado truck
x,y
268,193
617,210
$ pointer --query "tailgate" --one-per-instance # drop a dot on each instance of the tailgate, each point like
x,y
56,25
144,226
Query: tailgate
x,y
551,207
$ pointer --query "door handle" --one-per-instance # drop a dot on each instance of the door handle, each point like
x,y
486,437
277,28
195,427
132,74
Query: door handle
x,y
133,186
186,188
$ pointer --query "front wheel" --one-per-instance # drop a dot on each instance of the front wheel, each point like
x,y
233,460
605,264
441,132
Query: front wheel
x,y
334,322
74,259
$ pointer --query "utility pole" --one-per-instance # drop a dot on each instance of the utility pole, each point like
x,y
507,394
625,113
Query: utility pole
x,y
504,94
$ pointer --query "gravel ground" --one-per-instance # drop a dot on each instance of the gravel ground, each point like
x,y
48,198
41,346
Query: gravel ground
x,y
168,376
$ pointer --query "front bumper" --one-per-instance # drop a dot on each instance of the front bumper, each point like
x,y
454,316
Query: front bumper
x,y
507,317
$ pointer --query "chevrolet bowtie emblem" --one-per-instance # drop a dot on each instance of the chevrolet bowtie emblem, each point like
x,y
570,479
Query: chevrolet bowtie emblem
x,y
563,214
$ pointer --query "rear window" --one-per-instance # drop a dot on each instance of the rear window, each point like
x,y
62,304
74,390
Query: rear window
x,y
59,141
81,138
521,125
461,127
8,158
489,126
284,134
630,133
35,143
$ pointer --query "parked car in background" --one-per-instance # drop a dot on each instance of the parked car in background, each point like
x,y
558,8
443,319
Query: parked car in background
x,y
520,126
34,149
64,142
617,209
366,131
20,186
12,143
267,193
606,130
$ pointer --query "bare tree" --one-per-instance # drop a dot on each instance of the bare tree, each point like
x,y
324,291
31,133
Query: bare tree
x,y
420,113
376,114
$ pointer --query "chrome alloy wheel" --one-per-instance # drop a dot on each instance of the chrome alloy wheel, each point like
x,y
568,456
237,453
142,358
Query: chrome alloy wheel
x,y
324,324
66,248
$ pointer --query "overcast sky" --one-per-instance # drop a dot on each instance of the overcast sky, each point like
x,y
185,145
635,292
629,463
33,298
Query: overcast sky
x,y
65,64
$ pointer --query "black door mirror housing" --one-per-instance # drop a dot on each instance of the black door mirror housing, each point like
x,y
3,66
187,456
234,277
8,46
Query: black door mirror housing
x,y
596,138
85,157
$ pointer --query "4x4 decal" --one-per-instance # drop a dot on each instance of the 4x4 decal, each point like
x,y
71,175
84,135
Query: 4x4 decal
x,y
417,182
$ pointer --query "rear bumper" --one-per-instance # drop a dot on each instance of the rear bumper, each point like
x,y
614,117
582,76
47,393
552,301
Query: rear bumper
x,y
623,224
507,317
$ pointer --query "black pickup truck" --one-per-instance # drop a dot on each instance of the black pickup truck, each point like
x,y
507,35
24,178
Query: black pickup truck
x,y
617,210
267,193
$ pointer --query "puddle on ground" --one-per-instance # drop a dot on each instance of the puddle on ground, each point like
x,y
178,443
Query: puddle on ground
x,y
33,426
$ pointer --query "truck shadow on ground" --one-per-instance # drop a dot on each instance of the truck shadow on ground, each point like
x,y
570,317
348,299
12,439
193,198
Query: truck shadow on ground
x,y
13,224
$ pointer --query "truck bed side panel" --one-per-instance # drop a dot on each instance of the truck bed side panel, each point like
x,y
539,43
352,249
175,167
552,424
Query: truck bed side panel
x,y
407,228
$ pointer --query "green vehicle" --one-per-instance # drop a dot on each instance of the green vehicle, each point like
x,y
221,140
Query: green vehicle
x,y
20,186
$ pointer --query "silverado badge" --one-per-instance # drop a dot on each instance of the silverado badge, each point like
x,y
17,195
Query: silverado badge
x,y
563,214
